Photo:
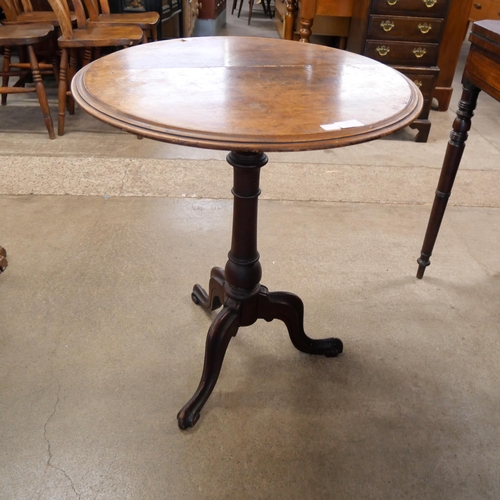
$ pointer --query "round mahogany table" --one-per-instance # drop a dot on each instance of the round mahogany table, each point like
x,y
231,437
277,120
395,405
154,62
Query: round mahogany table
x,y
247,96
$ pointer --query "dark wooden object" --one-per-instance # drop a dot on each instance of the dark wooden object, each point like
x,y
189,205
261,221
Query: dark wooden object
x,y
305,85
454,33
238,289
482,72
87,39
25,36
3,260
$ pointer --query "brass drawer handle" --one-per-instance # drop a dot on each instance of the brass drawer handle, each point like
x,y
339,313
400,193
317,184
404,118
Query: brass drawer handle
x,y
387,25
420,52
430,3
392,2
418,83
424,27
478,6
383,50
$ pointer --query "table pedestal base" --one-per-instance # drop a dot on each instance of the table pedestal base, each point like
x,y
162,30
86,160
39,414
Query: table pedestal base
x,y
238,290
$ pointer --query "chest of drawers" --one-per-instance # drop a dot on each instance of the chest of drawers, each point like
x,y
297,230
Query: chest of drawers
x,y
405,34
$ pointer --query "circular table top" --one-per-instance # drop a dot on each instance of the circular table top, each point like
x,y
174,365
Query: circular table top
x,y
247,94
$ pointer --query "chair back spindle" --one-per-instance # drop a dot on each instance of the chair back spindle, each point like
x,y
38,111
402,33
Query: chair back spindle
x,y
27,7
93,9
61,10
104,6
9,9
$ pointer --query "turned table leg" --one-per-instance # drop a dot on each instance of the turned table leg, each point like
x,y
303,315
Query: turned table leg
x,y
238,290
451,162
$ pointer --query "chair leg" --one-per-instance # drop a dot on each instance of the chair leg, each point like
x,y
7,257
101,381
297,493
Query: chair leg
x,y
91,54
264,7
62,89
73,67
6,68
239,10
54,57
40,91
250,8
235,4
269,10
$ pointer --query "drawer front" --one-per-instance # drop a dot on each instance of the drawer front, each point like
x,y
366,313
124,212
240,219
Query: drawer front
x,y
479,10
424,82
424,115
432,8
425,79
413,54
411,29
494,11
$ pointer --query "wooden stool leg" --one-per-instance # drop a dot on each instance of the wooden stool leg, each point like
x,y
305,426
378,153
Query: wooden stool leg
x,y
235,2
40,92
6,68
250,8
239,10
451,162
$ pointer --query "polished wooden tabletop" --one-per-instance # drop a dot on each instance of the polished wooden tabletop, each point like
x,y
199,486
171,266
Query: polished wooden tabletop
x,y
247,94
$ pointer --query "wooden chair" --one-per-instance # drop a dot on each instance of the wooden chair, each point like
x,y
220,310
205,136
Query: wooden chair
x,y
99,15
90,39
3,260
25,36
266,5
21,12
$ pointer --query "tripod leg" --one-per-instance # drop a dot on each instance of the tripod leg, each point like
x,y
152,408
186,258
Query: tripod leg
x,y
215,296
289,308
224,326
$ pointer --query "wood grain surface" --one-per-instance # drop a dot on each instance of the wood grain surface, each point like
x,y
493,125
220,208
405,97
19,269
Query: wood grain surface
x,y
246,94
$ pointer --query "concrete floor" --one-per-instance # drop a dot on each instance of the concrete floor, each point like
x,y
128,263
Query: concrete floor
x,y
100,344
